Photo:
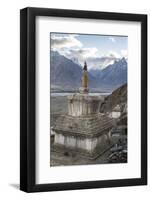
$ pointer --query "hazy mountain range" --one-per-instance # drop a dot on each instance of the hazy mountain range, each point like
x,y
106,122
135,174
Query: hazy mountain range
x,y
66,74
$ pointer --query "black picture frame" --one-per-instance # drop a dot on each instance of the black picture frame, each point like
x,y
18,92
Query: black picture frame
x,y
28,99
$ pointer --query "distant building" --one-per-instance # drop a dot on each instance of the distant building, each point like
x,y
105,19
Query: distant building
x,y
116,112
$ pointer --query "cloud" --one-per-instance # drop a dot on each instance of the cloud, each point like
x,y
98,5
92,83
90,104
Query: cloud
x,y
84,52
113,54
92,56
100,62
72,48
124,53
112,39
68,41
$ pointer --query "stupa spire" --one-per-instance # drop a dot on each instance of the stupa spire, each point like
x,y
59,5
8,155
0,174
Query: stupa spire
x,y
84,87
85,66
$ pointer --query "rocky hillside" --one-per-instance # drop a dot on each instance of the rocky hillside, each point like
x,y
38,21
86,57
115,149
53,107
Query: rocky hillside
x,y
118,97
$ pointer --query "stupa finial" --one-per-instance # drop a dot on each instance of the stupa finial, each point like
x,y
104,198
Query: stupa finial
x,y
84,87
85,66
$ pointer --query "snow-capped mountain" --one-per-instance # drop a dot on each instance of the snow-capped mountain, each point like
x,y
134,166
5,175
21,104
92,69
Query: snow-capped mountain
x,y
113,75
66,74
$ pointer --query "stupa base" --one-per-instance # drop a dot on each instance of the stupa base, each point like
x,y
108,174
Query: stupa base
x,y
87,147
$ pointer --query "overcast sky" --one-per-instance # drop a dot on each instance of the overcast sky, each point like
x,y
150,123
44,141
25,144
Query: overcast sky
x,y
97,50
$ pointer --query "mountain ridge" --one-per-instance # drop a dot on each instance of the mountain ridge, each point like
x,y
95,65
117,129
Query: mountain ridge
x,y
65,73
